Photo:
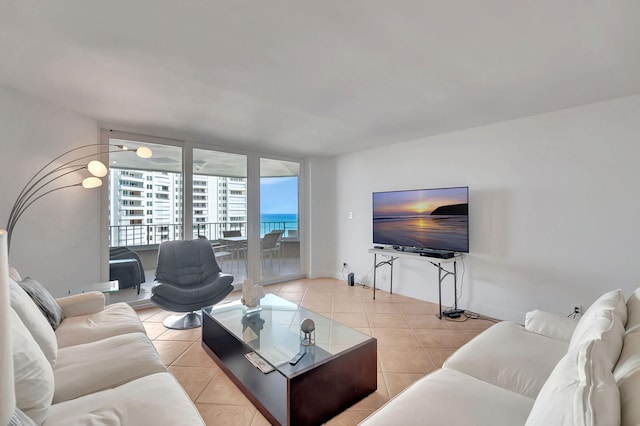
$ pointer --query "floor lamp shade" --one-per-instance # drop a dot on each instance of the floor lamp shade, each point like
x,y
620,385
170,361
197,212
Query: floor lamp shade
x,y
91,182
7,394
97,169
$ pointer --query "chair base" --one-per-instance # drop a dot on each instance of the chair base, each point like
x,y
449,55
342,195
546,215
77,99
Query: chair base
x,y
183,321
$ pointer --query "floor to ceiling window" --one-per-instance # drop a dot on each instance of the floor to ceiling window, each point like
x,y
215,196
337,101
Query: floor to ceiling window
x,y
145,195
279,219
187,191
220,207
145,199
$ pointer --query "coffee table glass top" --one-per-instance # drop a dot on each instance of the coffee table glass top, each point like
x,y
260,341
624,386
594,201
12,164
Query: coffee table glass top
x,y
274,332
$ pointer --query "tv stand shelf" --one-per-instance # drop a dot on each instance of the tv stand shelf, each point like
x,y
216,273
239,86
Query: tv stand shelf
x,y
391,255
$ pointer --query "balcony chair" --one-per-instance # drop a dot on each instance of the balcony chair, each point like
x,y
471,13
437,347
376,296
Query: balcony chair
x,y
234,233
188,279
219,249
238,249
270,245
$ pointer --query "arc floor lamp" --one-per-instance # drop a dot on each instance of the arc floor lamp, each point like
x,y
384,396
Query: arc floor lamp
x,y
47,179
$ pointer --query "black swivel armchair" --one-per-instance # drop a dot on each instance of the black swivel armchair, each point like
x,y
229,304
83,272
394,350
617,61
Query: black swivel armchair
x,y
188,279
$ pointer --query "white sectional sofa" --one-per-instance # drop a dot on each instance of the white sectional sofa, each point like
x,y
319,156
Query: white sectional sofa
x,y
551,371
97,368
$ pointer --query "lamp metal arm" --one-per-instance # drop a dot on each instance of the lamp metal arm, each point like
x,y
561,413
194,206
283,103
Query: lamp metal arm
x,y
34,186
10,229
26,187
19,205
31,184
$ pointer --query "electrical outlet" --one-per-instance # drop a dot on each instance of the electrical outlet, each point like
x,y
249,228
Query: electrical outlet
x,y
576,309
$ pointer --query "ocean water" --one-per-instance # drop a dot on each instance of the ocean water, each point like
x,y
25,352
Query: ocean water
x,y
284,221
279,217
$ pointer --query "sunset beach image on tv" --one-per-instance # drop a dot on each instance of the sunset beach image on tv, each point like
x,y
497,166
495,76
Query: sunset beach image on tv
x,y
436,219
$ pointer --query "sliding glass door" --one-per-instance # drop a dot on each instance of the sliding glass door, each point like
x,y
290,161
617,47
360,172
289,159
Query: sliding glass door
x,y
145,199
279,219
220,207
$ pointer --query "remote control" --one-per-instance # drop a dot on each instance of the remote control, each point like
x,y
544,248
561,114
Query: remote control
x,y
296,358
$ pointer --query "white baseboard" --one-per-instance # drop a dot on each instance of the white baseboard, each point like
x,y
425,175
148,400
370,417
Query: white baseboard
x,y
497,312
321,274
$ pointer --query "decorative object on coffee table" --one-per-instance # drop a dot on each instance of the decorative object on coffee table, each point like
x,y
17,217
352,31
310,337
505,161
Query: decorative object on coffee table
x,y
251,326
251,295
307,332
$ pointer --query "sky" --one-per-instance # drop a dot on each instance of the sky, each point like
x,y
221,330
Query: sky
x,y
279,195
403,203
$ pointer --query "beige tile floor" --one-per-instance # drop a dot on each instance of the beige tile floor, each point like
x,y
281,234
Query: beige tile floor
x,y
412,341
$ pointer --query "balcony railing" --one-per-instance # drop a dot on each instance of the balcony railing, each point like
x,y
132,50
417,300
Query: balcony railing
x,y
149,235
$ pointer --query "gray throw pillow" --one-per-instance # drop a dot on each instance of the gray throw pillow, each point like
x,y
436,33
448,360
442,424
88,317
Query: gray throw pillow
x,y
20,419
45,301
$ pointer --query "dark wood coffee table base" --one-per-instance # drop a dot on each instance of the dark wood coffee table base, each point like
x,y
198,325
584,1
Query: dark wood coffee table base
x,y
312,396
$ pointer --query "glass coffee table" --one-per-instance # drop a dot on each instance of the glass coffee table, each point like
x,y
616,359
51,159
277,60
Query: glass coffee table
x,y
334,373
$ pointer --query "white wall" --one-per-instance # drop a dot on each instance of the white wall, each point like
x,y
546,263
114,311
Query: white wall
x,y
57,240
554,207
321,227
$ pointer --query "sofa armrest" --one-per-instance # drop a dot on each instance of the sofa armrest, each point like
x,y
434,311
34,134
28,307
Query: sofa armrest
x,y
550,325
82,304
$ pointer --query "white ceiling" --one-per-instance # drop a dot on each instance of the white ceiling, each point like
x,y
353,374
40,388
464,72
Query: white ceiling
x,y
208,162
324,77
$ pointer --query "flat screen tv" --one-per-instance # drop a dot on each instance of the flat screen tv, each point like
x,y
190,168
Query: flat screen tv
x,y
425,219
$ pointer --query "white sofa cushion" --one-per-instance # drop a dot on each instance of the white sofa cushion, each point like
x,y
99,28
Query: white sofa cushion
x,y
105,364
581,391
87,303
550,325
35,322
20,419
114,320
613,299
605,328
633,312
14,275
627,375
448,396
157,399
621,306
33,375
508,356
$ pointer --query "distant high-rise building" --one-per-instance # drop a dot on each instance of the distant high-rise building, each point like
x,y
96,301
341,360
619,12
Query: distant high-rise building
x,y
146,207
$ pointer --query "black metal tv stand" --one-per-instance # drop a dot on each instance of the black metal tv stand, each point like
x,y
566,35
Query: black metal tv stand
x,y
391,255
